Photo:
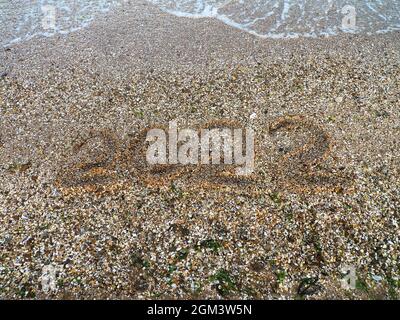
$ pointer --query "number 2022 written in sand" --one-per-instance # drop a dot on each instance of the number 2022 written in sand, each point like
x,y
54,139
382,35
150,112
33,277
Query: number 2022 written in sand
x,y
101,162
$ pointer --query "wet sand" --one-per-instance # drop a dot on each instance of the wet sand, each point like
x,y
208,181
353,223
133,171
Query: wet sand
x,y
117,229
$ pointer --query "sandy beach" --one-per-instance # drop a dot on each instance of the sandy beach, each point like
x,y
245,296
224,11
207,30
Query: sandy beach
x,y
75,192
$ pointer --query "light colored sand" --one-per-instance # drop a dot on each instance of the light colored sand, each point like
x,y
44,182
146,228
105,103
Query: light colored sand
x,y
180,239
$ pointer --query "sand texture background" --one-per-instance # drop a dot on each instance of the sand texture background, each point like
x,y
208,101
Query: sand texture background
x,y
74,193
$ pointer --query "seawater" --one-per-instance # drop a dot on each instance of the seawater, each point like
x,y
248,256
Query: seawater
x,y
21,20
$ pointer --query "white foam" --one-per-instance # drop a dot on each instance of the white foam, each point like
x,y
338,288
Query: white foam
x,y
21,20
291,18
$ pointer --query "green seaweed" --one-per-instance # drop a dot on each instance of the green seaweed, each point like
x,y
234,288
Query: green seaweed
x,y
212,244
225,282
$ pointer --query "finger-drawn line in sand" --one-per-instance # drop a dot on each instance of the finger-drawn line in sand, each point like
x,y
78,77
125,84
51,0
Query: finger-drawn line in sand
x,y
301,169
195,174
101,162
92,167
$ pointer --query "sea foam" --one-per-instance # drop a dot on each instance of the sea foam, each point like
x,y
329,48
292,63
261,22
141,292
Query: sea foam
x,y
293,18
21,20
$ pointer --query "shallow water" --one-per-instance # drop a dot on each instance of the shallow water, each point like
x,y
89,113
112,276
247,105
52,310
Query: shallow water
x,y
21,20
294,18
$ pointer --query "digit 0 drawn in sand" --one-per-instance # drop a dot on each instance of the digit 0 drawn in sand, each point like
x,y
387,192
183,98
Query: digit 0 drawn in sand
x,y
148,174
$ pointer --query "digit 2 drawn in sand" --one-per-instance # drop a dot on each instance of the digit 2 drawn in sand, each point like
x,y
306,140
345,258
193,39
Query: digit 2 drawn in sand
x,y
92,165
302,167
